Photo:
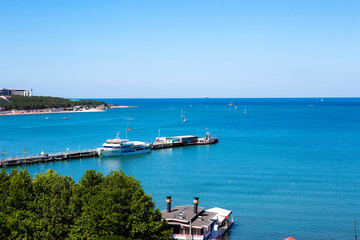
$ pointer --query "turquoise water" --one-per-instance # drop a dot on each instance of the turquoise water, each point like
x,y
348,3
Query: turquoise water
x,y
288,167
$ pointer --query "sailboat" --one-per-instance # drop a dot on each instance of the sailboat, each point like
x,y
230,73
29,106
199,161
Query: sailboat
x,y
245,110
128,125
182,113
184,118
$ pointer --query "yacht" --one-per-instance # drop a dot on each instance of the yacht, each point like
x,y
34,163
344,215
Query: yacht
x,y
122,147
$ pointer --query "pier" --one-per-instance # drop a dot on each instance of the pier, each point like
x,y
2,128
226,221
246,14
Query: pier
x,y
49,158
181,141
160,143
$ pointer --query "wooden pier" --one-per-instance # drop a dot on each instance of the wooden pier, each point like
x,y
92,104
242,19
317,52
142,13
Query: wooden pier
x,y
49,158
160,143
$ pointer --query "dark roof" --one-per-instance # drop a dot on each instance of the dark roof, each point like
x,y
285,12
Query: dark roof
x,y
181,214
203,219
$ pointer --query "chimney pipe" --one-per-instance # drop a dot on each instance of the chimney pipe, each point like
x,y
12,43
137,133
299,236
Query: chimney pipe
x,y
168,200
196,201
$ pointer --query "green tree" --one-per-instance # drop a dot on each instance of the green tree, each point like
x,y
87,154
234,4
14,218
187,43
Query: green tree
x,y
116,205
21,220
4,189
51,206
52,198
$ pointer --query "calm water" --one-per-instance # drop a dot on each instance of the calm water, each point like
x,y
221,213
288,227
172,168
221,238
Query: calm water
x,y
288,167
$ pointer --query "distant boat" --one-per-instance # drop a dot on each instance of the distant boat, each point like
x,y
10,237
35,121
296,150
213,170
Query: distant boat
x,y
245,110
235,107
64,118
182,113
128,125
47,118
207,139
184,118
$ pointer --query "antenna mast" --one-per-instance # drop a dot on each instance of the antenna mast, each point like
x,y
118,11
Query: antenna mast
x,y
3,157
25,155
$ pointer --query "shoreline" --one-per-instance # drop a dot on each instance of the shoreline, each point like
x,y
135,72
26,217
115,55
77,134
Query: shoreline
x,y
48,111
52,111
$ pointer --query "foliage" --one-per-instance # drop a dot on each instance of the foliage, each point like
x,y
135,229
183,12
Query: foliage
x,y
50,206
38,102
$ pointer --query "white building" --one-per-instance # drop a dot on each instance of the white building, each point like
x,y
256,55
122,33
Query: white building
x,y
13,91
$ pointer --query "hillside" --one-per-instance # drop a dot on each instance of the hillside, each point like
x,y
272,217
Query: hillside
x,y
39,102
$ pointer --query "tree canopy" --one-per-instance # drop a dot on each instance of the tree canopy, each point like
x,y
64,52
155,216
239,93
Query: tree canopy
x,y
40,102
51,206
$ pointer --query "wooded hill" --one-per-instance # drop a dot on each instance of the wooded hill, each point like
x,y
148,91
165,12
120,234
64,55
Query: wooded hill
x,y
38,102
51,206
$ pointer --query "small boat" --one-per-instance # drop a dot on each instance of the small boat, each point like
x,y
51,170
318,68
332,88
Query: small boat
x,y
122,147
64,118
128,125
182,113
245,110
47,118
207,139
184,118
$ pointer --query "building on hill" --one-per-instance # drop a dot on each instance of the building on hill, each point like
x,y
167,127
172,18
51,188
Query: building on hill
x,y
193,222
18,92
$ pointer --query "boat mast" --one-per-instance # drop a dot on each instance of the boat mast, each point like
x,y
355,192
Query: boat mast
x,y
25,155
3,157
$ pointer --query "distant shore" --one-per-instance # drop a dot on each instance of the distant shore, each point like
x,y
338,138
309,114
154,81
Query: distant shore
x,y
51,111
118,106
46,111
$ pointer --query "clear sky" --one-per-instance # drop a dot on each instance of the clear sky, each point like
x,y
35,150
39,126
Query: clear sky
x,y
141,49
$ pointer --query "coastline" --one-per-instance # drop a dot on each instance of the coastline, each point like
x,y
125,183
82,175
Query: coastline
x,y
46,111
51,111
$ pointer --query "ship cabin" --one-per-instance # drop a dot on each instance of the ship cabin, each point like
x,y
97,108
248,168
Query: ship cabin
x,y
193,222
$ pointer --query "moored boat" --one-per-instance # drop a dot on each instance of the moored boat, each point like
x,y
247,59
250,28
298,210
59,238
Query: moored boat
x,y
122,147
207,140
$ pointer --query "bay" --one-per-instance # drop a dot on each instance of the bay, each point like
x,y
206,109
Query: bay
x,y
286,167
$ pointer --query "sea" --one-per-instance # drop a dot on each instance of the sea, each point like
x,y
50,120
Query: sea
x,y
284,167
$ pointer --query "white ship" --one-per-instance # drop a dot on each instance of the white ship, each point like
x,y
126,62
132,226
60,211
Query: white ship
x,y
123,147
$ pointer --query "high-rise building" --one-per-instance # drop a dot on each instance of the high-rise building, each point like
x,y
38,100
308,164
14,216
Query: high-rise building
x,y
12,91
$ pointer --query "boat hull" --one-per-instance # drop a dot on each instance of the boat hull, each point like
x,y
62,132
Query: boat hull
x,y
123,152
212,141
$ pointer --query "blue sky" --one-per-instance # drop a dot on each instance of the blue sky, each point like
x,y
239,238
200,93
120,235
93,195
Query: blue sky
x,y
147,49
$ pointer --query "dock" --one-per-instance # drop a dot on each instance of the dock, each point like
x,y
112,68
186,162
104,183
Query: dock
x,y
160,143
181,141
49,158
